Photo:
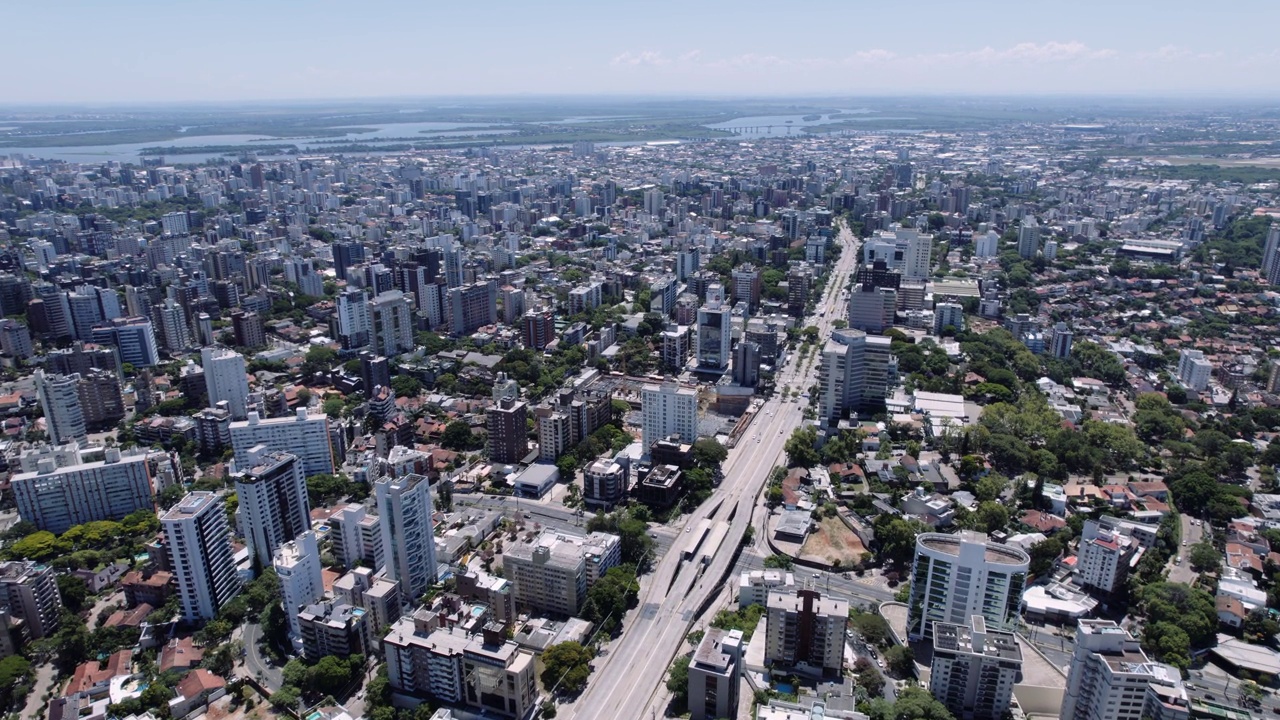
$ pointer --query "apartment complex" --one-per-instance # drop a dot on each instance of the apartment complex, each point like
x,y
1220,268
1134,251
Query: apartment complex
x,y
482,671
356,537
668,409
1111,678
58,498
1106,555
273,507
552,573
408,534
974,670
297,564
804,629
508,441
857,371
958,576
301,434
200,554
713,675
30,592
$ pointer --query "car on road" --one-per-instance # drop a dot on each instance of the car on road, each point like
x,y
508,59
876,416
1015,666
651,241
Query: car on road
x,y
1178,561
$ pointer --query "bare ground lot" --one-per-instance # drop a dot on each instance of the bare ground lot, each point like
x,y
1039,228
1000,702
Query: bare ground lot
x,y
832,541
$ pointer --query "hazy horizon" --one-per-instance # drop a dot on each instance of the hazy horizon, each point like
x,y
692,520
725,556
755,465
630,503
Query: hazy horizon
x,y
140,52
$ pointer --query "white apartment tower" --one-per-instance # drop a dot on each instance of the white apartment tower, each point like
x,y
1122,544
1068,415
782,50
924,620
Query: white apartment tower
x,y
58,498
408,537
225,379
1194,370
958,576
919,254
302,434
297,563
1105,555
391,323
1111,677
857,370
273,500
974,669
60,401
668,409
201,555
1028,238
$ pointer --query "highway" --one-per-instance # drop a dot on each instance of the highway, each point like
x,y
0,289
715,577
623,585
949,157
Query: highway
x,y
625,681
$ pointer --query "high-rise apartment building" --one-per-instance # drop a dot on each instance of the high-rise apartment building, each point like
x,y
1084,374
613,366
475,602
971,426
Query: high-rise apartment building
x,y
958,576
353,318
30,591
1060,340
60,400
668,409
746,286
538,329
272,491
391,323
974,669
553,572
200,555
1104,555
1271,256
408,535
226,380
872,309
59,498
1194,370
303,434
948,315
713,675
1028,238
604,483
473,306
1111,678
919,254
297,564
249,330
857,371
175,332
508,441
715,334
356,537
804,628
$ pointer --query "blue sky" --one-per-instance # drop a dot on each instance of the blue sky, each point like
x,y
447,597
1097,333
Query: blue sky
x,y
146,50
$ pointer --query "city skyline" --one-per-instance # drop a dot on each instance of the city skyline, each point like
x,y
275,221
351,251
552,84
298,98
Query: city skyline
x,y
995,47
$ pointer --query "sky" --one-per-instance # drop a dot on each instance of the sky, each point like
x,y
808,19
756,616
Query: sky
x,y
130,51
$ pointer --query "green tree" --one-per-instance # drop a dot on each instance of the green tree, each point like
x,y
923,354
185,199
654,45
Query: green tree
x,y
333,407
406,386
913,703
678,678
1204,557
897,539
900,661
801,448
458,436
566,667
709,453
74,592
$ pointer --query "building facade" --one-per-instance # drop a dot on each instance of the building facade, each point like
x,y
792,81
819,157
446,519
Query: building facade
x,y
200,555
958,576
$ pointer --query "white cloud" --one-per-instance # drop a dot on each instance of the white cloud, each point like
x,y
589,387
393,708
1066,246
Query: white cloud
x,y
645,57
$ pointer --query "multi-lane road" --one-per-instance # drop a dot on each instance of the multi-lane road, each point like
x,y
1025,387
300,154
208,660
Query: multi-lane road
x,y
627,678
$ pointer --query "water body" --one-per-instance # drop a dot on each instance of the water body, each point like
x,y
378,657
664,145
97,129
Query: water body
x,y
792,125
131,152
